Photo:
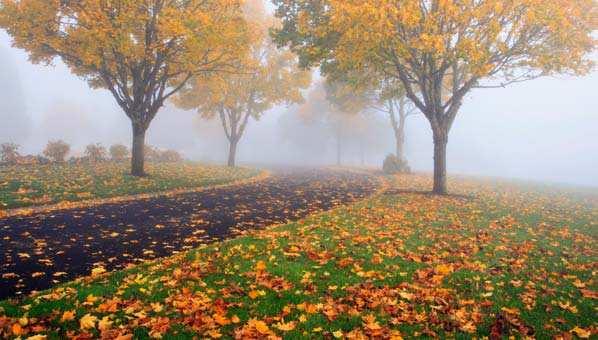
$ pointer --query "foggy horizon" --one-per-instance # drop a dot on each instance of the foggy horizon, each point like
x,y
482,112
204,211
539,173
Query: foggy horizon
x,y
543,131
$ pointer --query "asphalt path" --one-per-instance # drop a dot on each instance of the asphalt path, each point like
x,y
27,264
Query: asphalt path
x,y
39,251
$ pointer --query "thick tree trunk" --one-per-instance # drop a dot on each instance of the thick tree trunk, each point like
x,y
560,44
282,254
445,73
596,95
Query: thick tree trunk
x,y
232,152
137,152
440,143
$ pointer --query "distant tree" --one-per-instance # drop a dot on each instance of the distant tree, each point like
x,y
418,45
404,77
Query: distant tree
x,y
269,77
346,103
426,45
96,153
9,153
119,153
170,156
57,151
152,154
143,52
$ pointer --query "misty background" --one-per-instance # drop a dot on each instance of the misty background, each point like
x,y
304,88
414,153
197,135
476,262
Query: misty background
x,y
541,130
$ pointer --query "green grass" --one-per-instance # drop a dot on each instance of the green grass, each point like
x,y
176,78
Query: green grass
x,y
504,262
24,186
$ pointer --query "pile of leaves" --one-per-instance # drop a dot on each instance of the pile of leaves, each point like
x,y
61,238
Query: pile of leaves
x,y
54,183
495,260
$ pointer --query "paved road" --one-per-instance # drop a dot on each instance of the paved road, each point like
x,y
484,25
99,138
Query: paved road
x,y
45,249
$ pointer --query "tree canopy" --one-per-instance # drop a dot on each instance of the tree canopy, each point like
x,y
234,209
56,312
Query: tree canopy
x,y
266,76
141,51
439,50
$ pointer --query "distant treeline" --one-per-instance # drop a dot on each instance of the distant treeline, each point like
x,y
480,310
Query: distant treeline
x,y
57,151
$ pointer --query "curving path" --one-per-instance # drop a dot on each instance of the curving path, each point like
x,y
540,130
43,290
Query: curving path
x,y
41,250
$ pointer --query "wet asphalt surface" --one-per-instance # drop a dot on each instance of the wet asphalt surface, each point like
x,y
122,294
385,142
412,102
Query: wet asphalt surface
x,y
42,250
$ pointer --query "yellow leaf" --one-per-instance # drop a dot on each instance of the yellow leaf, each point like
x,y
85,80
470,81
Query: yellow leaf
x,y
260,326
98,271
337,334
105,324
285,327
582,333
254,294
157,307
88,321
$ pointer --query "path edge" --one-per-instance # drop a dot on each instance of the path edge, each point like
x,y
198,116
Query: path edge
x,y
44,209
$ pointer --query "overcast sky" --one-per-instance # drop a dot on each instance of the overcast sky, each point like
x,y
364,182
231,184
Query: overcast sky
x,y
542,130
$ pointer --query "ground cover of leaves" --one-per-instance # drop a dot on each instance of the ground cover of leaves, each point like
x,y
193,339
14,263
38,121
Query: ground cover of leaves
x,y
496,260
40,250
25,186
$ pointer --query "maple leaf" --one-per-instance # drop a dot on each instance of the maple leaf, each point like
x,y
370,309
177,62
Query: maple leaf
x,y
260,266
88,321
582,333
221,319
105,324
286,327
68,316
260,326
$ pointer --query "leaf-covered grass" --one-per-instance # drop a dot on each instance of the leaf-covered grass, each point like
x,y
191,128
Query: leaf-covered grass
x,y
497,261
24,186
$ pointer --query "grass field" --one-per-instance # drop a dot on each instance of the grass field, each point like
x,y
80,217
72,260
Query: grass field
x,y
24,186
496,260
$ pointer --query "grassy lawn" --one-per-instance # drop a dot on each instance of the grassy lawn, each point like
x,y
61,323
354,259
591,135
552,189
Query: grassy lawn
x,y
498,261
25,186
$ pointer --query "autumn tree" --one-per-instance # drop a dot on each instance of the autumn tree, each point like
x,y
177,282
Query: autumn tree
x,y
9,153
381,93
119,153
440,50
345,105
265,77
95,153
143,52
57,150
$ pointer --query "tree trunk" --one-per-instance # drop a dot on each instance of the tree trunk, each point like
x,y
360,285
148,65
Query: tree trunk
x,y
137,152
400,146
232,152
338,152
440,143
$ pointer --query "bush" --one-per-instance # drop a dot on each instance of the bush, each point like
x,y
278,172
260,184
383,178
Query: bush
x,y
151,153
57,151
170,156
393,165
119,153
9,153
96,153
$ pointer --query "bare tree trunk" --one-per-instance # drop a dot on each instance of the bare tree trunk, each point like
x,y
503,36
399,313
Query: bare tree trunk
x,y
440,143
400,138
232,152
137,152
338,151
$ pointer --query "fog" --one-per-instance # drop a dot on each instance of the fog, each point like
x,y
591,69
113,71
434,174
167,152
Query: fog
x,y
541,130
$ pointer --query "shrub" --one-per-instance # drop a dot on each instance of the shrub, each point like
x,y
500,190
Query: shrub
x,y
57,151
169,156
9,153
119,153
96,153
393,165
151,154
